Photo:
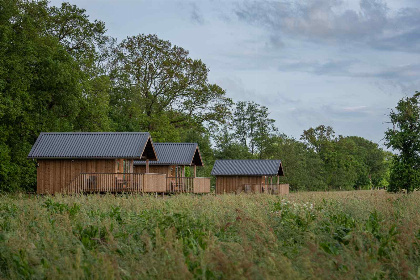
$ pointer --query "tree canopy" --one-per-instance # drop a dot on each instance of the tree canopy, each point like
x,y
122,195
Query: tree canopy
x,y
404,138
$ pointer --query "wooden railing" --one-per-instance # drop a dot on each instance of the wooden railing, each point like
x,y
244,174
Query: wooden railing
x,y
201,185
179,184
136,183
187,185
264,188
117,182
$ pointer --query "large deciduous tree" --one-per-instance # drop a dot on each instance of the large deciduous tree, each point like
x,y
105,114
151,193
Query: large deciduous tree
x,y
47,82
349,162
158,87
253,127
404,138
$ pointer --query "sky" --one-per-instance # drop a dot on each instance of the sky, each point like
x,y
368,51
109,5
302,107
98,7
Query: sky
x,y
333,62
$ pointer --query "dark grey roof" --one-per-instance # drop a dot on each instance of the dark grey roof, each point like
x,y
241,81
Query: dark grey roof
x,y
247,167
176,154
130,145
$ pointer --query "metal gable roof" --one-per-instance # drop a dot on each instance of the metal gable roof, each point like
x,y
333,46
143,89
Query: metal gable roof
x,y
247,167
174,154
90,145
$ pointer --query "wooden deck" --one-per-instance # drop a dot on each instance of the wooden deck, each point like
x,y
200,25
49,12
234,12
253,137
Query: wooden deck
x,y
136,183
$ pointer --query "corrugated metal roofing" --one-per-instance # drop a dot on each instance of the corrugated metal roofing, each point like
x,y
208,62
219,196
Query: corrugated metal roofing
x,y
247,167
173,154
90,145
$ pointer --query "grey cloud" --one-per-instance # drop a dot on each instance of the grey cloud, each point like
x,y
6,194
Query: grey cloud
x,y
372,23
402,73
196,15
331,67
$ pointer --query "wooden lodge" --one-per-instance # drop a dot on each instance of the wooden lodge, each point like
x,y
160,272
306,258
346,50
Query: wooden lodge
x,y
249,176
87,162
69,162
174,159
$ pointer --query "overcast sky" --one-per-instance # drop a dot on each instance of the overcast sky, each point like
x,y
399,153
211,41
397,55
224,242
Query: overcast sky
x,y
334,62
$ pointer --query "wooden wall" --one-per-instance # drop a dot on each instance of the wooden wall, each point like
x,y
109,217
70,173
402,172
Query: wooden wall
x,y
229,184
55,175
161,169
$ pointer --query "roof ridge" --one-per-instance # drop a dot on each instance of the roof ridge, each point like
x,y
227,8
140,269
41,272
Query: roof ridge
x,y
167,143
253,159
105,145
89,132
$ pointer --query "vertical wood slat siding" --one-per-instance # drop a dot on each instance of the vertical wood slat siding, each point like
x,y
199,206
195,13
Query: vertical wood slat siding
x,y
229,184
201,185
54,175
161,169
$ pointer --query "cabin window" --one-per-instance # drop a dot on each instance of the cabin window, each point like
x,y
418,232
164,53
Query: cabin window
x,y
123,166
126,165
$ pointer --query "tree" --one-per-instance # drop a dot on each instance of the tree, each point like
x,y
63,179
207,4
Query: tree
x,y
304,169
228,148
349,162
39,88
370,162
404,138
81,38
49,81
319,139
155,84
253,127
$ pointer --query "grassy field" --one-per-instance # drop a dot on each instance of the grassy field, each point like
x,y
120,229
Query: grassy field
x,y
335,235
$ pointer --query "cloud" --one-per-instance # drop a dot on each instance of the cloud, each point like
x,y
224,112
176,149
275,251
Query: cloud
x,y
372,23
354,108
196,15
330,67
407,73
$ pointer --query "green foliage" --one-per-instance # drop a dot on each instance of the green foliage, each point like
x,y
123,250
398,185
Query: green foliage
x,y
39,88
349,162
405,139
304,169
157,87
343,235
253,127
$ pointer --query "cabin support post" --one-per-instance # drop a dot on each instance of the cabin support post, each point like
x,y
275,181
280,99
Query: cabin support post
x,y
147,165
195,171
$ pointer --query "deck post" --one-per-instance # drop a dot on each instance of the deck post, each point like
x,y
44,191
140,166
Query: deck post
x,y
195,171
147,165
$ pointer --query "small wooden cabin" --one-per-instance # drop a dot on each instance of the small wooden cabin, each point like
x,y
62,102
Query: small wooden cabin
x,y
173,160
257,176
69,161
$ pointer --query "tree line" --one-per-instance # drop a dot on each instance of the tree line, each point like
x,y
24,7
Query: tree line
x,y
60,71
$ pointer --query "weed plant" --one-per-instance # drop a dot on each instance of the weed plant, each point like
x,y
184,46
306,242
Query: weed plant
x,y
331,235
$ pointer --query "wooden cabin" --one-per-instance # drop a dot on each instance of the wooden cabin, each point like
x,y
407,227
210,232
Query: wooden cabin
x,y
174,158
249,176
69,162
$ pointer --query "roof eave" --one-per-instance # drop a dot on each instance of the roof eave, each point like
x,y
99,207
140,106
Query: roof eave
x,y
119,157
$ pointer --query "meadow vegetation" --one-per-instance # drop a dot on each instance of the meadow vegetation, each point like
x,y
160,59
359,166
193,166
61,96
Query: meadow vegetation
x,y
328,235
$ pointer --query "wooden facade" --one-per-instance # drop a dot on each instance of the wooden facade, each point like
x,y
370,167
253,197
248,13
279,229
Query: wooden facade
x,y
230,184
250,184
97,162
113,175
161,169
55,175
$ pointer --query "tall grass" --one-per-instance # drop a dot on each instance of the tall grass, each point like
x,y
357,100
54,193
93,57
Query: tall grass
x,y
336,235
